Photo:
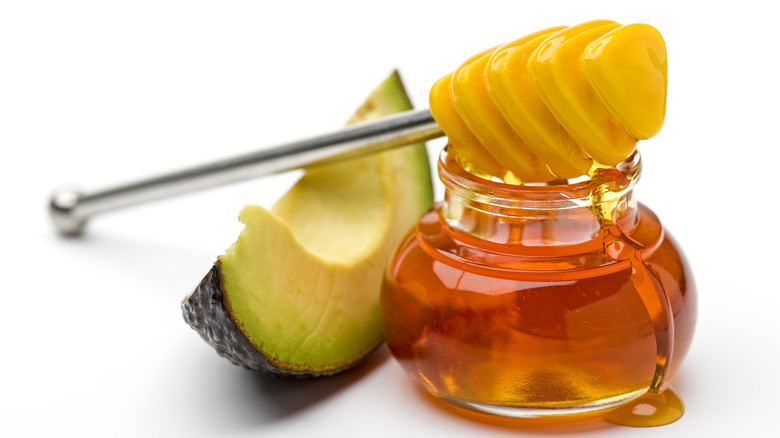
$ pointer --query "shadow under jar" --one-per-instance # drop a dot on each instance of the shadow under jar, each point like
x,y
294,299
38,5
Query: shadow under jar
x,y
539,300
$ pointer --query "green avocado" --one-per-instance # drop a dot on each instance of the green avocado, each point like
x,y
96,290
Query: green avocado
x,y
297,294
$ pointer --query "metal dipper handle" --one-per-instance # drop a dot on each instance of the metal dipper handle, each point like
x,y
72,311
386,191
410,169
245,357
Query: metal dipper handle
x,y
70,208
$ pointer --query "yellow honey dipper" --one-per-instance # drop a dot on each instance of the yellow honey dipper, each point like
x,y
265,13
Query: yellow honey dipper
x,y
554,103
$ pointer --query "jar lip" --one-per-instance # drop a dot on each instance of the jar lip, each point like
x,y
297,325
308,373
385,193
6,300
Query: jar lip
x,y
621,177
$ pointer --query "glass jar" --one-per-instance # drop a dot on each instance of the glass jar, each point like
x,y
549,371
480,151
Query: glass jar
x,y
539,300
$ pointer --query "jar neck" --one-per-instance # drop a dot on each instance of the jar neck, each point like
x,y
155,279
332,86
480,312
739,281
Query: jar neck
x,y
555,214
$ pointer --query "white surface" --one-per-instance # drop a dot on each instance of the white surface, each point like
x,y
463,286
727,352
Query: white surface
x,y
104,92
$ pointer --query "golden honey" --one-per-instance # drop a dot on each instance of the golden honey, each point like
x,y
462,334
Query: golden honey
x,y
549,300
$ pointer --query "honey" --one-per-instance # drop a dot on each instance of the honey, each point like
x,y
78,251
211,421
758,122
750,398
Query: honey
x,y
552,300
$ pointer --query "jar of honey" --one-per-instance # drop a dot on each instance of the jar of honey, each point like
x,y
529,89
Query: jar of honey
x,y
559,299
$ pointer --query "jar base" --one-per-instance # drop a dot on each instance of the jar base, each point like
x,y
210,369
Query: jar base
x,y
552,413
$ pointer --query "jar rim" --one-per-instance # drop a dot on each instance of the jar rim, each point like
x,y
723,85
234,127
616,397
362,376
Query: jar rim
x,y
559,194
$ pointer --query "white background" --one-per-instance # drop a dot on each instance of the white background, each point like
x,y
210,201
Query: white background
x,y
98,92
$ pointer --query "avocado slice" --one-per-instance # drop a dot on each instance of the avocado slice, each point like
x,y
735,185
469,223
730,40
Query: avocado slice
x,y
297,295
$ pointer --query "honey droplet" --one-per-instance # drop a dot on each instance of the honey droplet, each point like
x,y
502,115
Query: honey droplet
x,y
649,410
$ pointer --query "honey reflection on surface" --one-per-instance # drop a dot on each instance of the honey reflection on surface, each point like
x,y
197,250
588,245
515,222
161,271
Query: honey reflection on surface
x,y
649,410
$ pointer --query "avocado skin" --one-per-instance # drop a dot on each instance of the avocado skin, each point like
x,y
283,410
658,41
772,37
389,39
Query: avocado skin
x,y
205,311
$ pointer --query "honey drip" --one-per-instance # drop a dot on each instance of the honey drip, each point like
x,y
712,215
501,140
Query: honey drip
x,y
649,288
649,410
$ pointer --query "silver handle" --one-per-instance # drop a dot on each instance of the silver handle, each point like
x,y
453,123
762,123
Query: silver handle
x,y
70,208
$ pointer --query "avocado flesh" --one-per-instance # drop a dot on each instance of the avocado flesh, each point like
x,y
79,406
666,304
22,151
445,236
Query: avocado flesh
x,y
301,284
